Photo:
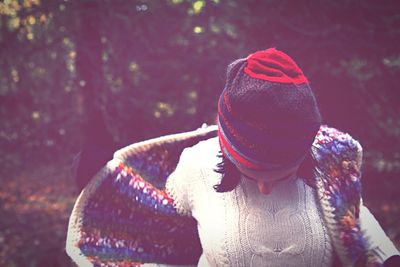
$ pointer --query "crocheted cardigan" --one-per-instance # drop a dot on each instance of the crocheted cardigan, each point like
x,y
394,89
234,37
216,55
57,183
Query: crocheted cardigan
x,y
124,216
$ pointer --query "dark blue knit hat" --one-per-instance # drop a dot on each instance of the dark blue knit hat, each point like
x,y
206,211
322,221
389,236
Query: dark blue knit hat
x,y
267,112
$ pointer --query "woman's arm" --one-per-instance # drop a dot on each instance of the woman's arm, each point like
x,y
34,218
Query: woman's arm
x,y
179,182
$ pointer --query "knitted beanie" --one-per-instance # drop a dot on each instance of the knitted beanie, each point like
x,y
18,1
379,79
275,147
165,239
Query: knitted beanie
x,y
267,113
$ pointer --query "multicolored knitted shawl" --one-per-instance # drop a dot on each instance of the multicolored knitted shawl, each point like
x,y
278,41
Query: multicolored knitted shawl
x,y
337,176
124,217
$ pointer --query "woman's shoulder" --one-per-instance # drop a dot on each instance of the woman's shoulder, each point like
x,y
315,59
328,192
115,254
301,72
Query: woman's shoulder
x,y
202,159
204,151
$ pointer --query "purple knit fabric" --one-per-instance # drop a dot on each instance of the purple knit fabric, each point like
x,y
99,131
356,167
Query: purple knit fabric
x,y
271,124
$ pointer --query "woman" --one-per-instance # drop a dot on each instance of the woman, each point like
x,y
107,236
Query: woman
x,y
273,188
252,190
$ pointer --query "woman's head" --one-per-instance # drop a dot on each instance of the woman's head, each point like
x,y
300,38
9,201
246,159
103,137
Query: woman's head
x,y
267,113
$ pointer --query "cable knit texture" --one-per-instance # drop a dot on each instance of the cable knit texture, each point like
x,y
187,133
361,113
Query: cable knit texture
x,y
246,228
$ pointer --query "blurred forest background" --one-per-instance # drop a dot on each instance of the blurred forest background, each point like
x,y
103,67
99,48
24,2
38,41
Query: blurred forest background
x,y
92,76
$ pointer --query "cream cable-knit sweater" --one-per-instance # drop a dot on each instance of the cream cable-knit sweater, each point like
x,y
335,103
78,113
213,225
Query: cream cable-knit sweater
x,y
246,228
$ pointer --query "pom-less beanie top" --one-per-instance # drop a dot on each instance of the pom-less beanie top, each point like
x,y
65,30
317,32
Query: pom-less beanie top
x,y
267,112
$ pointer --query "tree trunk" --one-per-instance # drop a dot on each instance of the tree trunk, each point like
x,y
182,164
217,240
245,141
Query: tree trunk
x,y
98,143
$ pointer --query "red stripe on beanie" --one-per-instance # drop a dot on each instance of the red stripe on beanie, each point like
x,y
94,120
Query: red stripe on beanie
x,y
274,66
227,103
243,161
231,129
